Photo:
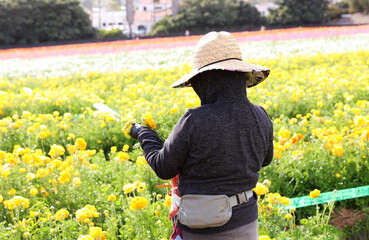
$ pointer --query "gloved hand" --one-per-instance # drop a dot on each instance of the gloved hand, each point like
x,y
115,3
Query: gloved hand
x,y
136,128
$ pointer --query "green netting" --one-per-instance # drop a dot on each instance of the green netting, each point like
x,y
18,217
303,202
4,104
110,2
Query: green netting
x,y
326,197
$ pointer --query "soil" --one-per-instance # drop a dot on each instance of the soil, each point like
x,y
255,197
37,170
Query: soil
x,y
342,217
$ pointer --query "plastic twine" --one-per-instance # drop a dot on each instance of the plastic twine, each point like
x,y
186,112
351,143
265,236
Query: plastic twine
x,y
326,197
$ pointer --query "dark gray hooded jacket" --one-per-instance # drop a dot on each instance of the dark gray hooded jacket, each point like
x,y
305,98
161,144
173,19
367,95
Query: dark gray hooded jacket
x,y
217,148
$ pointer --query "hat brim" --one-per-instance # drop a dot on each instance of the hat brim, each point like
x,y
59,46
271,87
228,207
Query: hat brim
x,y
255,74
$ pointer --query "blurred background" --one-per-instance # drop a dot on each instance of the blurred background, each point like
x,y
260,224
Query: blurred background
x,y
42,21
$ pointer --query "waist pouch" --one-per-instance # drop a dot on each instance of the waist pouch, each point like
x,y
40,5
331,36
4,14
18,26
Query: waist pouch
x,y
203,211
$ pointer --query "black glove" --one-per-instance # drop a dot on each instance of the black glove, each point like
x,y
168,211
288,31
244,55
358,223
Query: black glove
x,y
136,128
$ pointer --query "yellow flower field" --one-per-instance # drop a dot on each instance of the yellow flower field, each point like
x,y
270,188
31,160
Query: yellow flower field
x,y
68,171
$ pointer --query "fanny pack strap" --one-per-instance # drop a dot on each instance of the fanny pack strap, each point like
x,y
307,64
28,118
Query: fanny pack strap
x,y
240,198
234,200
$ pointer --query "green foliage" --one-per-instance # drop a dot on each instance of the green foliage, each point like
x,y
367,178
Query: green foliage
x,y
360,5
278,223
334,12
297,12
209,15
360,230
36,21
114,33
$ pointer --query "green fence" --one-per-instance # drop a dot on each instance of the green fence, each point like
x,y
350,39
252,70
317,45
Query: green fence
x,y
326,197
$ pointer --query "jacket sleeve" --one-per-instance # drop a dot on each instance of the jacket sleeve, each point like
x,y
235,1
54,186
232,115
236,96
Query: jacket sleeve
x,y
270,150
270,153
167,159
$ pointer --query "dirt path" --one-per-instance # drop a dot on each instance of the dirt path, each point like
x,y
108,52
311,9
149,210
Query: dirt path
x,y
352,19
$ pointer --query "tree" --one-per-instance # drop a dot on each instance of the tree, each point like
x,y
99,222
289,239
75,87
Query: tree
x,y
248,15
130,13
36,21
175,7
298,12
360,5
206,15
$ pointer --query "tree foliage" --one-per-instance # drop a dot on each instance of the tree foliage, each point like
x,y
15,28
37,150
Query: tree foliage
x,y
36,21
298,12
360,5
209,15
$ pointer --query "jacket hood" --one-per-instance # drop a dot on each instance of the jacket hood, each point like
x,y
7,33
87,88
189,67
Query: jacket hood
x,y
220,86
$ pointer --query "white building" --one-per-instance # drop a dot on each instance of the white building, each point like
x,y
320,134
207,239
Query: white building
x,y
146,15
263,8
105,19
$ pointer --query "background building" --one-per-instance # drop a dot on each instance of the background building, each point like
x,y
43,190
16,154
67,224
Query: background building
x,y
147,13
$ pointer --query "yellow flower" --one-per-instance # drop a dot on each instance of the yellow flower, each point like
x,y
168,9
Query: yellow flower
x,y
167,201
2,155
264,237
288,216
122,156
84,214
56,163
138,203
70,136
129,188
91,152
141,161
30,129
127,128
26,235
260,189
22,170
156,212
337,150
72,149
94,166
81,144
125,147
30,176
16,201
61,214
43,134
12,192
113,149
76,181
315,193
1,198
96,232
6,172
33,191
174,109
85,237
56,151
148,121
64,176
112,198
284,133
338,175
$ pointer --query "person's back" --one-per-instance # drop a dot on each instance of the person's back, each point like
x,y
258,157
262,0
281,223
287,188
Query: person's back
x,y
229,139
216,149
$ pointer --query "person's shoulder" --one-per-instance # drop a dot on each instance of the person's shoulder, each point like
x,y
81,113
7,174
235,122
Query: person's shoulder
x,y
261,109
197,110
263,114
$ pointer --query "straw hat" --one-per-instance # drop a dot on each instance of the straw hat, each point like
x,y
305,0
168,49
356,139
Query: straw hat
x,y
220,51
